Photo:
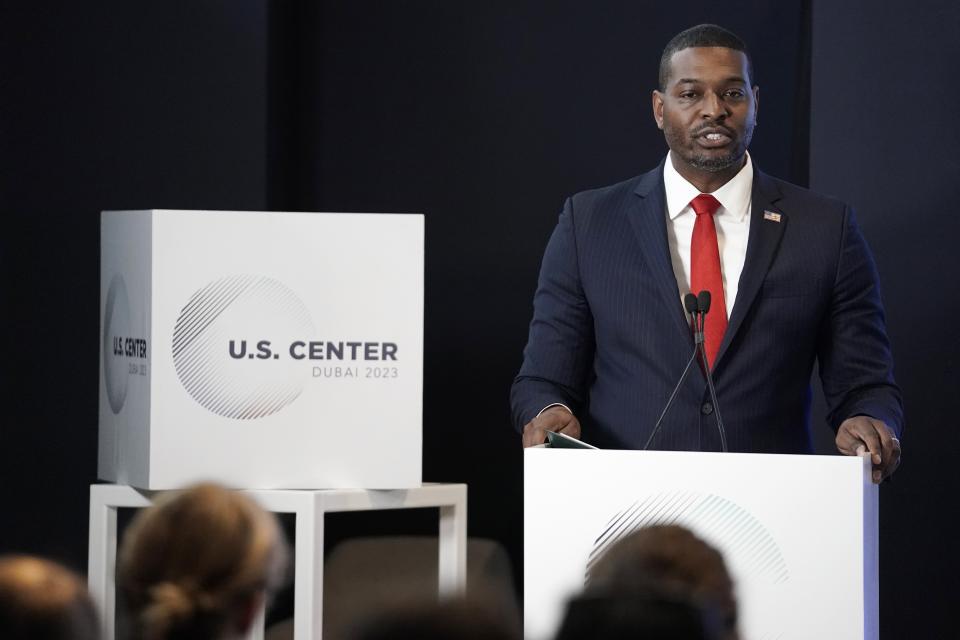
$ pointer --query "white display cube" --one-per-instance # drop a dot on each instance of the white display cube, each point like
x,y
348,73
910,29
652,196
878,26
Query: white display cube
x,y
261,349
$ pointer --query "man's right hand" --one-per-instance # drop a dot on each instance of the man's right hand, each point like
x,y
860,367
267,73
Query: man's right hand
x,y
556,419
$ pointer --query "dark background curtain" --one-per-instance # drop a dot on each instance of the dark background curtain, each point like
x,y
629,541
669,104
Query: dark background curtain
x,y
483,116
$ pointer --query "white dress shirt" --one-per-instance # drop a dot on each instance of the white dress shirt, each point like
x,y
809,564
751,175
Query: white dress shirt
x,y
732,221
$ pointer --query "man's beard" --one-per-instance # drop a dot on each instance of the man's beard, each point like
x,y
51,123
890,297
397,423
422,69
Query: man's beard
x,y
715,164
712,164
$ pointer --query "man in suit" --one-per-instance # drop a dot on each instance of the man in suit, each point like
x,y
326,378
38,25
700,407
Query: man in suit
x,y
791,278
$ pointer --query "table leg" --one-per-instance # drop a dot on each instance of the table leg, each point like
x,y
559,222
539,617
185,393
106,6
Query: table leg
x,y
105,499
102,558
453,547
308,568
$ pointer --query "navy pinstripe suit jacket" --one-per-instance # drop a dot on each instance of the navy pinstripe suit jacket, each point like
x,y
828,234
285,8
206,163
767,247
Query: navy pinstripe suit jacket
x,y
609,337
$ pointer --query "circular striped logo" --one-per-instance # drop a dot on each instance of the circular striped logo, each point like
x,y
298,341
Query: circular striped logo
x,y
742,537
116,325
219,316
750,550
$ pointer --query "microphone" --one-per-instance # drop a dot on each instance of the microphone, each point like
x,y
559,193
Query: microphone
x,y
703,306
690,303
694,309
703,303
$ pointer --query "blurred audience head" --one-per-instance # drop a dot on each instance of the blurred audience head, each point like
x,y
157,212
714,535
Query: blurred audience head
x,y
40,600
648,615
199,564
457,619
670,561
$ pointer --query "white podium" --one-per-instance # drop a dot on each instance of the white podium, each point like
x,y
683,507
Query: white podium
x,y
310,507
799,533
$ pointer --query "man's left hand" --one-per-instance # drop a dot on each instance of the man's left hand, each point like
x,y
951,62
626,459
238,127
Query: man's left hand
x,y
863,433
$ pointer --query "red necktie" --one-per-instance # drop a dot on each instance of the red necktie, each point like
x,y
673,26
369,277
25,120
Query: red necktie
x,y
705,274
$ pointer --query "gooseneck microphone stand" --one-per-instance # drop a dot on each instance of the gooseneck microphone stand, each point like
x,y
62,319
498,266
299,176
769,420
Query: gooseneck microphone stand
x,y
690,304
703,306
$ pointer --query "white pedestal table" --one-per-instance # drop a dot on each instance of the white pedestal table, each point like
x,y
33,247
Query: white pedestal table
x,y
309,507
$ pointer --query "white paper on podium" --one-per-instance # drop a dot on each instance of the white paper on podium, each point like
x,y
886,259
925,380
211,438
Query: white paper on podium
x,y
798,532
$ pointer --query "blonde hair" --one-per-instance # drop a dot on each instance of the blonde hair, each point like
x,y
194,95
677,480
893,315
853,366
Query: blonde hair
x,y
192,559
42,600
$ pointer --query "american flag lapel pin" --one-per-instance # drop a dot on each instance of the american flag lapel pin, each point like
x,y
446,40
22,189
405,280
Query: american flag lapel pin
x,y
770,215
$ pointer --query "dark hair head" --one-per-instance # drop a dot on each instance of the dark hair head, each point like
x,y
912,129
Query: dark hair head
x,y
646,614
667,558
40,600
702,35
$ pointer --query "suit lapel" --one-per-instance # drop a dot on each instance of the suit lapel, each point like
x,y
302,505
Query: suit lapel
x,y
764,238
648,218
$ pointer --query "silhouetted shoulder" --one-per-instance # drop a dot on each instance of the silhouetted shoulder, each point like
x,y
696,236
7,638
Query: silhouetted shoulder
x,y
797,199
614,200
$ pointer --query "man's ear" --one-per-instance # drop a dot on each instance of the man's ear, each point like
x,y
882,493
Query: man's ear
x,y
756,102
658,108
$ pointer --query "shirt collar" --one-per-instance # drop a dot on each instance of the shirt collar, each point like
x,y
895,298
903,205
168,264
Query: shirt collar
x,y
734,196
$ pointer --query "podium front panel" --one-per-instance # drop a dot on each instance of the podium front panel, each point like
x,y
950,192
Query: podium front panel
x,y
798,532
